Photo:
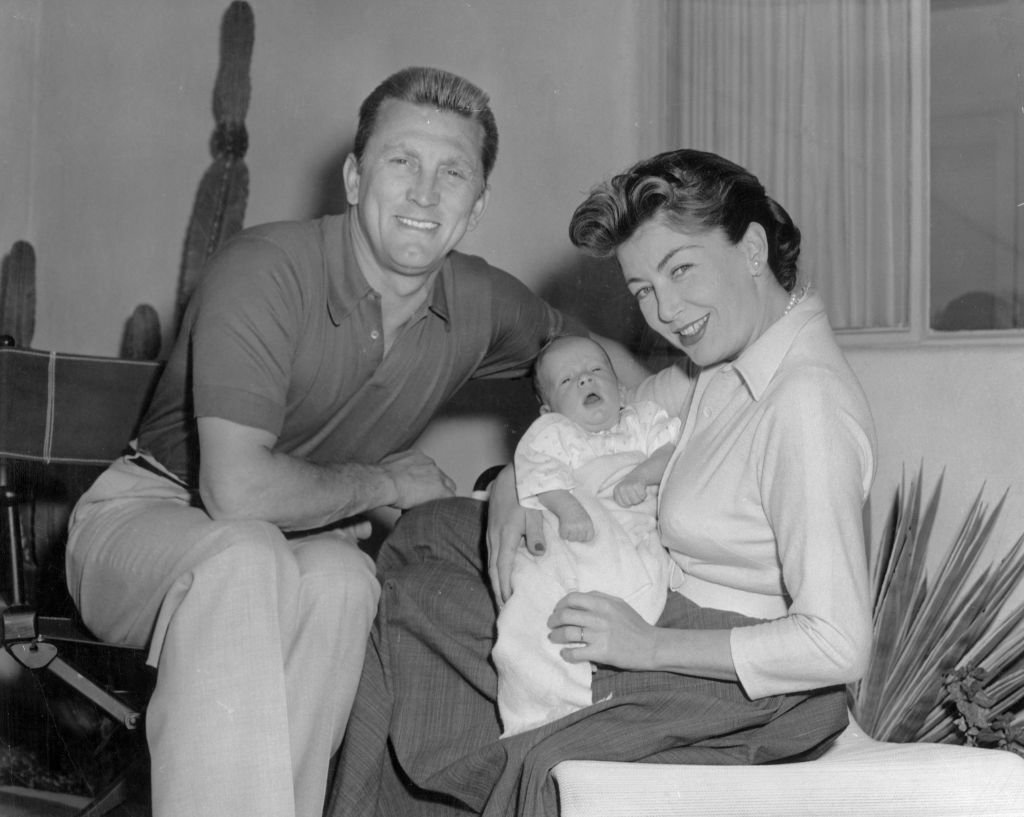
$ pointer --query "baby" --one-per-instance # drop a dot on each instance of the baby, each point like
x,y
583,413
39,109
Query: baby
x,y
592,466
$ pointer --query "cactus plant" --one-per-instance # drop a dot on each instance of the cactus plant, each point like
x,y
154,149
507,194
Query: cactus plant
x,y
219,207
141,338
18,294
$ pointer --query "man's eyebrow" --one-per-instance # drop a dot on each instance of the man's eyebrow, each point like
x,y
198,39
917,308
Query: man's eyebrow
x,y
397,144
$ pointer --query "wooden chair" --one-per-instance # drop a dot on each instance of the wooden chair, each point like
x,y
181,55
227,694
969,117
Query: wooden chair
x,y
61,410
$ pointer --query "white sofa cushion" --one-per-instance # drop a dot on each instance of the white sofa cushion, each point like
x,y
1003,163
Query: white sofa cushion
x,y
856,776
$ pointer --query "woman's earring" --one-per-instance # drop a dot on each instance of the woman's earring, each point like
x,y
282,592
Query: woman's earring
x,y
757,268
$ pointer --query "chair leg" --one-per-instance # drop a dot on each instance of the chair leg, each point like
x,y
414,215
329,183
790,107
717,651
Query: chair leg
x,y
115,794
110,798
11,523
19,635
125,715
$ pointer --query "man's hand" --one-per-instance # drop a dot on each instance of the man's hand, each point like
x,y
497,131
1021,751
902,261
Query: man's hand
x,y
417,478
509,524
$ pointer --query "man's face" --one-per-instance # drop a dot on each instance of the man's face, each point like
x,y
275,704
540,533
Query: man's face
x,y
577,380
419,188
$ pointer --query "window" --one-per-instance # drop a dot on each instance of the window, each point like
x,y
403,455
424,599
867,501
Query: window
x,y
977,163
892,132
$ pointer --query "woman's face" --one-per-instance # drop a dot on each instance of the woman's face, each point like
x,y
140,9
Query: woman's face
x,y
696,289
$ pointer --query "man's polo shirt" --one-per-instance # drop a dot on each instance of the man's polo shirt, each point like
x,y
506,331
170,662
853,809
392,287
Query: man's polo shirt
x,y
284,333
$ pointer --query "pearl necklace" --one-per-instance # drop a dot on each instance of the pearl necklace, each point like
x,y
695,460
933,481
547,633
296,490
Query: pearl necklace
x,y
795,297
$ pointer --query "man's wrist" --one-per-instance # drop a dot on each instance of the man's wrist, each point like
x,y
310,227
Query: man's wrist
x,y
389,487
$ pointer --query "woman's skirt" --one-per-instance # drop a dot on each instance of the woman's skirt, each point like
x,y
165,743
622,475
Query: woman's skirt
x,y
423,737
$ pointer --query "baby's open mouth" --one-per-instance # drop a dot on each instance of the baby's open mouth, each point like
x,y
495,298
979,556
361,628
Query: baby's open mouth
x,y
591,398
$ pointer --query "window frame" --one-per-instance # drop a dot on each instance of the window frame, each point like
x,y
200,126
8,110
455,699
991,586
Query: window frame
x,y
656,103
918,332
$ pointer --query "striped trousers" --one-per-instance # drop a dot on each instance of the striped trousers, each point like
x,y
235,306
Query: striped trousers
x,y
423,737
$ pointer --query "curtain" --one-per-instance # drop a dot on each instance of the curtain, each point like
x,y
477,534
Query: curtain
x,y
825,100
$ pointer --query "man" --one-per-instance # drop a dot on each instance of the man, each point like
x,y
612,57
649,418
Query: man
x,y
311,357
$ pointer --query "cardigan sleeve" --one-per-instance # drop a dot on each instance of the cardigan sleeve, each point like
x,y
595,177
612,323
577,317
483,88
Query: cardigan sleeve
x,y
815,447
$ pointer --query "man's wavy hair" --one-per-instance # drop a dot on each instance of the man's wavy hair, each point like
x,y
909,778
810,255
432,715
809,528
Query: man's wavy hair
x,y
439,89
693,191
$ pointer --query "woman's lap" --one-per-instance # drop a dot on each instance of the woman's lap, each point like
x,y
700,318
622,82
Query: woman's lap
x,y
426,712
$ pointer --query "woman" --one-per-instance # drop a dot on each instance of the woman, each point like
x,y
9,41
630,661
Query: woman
x,y
760,508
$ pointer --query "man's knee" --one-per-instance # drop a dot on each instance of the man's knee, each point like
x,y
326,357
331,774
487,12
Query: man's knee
x,y
248,544
340,575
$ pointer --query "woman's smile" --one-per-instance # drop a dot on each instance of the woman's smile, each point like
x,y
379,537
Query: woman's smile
x,y
693,331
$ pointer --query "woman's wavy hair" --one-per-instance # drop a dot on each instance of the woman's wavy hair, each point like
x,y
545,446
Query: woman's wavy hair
x,y
691,190
439,89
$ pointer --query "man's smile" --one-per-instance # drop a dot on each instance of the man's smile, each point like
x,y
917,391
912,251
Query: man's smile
x,y
428,226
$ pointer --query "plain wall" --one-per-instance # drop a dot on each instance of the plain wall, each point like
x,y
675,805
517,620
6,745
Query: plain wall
x,y
108,118
957,411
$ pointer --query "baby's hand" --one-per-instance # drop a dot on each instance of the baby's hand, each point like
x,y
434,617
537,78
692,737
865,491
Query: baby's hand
x,y
630,492
576,526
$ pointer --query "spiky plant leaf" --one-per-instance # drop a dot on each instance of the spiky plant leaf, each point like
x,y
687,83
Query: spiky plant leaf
x,y
924,629
868,694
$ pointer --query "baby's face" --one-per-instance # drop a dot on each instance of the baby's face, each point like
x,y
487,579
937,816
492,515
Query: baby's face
x,y
576,379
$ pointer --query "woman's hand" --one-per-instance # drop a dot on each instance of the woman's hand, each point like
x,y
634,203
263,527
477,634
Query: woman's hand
x,y
609,630
508,525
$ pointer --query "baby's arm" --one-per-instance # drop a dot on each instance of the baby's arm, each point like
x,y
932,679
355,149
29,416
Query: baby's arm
x,y
632,488
574,523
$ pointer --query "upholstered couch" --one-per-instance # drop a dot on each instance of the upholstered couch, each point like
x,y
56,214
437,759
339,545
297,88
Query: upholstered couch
x,y
856,776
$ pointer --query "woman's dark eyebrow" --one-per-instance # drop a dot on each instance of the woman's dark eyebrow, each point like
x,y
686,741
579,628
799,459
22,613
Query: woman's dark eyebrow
x,y
665,260
668,256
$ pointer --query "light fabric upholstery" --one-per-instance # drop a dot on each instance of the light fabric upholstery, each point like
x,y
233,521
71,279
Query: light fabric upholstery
x,y
856,776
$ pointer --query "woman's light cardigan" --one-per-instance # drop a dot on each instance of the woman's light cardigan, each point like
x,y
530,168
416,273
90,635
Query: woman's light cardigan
x,y
762,506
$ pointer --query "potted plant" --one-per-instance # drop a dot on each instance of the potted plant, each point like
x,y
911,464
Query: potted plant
x,y
948,658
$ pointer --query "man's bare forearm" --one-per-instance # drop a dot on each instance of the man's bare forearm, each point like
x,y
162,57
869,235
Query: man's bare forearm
x,y
242,477
295,494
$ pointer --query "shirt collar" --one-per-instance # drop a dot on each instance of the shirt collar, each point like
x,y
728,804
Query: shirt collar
x,y
348,286
758,364
438,303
